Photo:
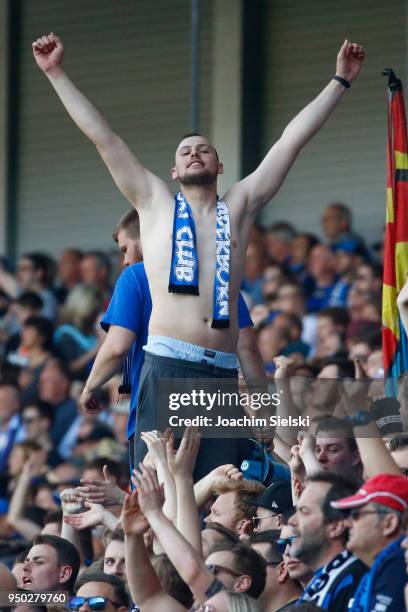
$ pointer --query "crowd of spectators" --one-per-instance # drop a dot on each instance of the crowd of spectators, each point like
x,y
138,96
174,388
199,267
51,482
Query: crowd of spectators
x,y
312,520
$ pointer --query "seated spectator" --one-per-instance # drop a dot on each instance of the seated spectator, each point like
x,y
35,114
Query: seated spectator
x,y
377,528
11,430
51,564
76,338
336,223
35,349
26,305
368,277
280,589
231,509
37,420
95,271
278,240
322,270
254,266
54,388
271,343
321,536
33,274
68,273
301,246
96,589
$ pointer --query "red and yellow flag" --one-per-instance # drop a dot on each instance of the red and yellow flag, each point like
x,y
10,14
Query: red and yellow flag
x,y
395,345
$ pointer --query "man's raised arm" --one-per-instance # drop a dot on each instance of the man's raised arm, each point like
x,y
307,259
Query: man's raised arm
x,y
260,186
135,182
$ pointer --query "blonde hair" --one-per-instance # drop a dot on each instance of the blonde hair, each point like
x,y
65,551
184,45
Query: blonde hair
x,y
240,602
81,307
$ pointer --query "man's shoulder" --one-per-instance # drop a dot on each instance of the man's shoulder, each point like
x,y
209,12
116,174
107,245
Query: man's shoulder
x,y
135,271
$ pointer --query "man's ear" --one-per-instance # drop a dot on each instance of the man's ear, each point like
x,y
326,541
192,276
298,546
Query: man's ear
x,y
173,173
65,573
220,168
356,458
243,584
390,524
282,572
336,529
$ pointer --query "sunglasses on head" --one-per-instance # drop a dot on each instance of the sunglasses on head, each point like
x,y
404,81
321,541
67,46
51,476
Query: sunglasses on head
x,y
94,603
283,543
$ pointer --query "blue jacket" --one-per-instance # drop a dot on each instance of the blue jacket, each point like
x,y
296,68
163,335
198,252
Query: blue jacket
x,y
382,588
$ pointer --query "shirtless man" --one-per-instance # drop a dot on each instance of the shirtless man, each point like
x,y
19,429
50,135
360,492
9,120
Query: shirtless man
x,y
182,325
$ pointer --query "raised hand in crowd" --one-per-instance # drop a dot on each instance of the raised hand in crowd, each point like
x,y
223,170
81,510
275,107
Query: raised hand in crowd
x,y
157,458
204,488
95,515
132,520
48,52
181,464
105,492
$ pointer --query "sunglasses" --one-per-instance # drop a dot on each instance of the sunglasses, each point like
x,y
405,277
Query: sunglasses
x,y
256,520
356,513
283,543
216,569
94,603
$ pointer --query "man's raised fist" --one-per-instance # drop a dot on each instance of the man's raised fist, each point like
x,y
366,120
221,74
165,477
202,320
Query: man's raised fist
x,y
48,52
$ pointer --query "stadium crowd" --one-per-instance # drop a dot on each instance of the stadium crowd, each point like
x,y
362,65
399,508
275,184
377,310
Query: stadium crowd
x,y
309,521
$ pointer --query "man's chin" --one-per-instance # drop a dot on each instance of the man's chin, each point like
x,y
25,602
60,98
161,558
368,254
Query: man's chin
x,y
200,178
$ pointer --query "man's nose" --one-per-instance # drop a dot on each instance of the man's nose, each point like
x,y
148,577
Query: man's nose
x,y
321,456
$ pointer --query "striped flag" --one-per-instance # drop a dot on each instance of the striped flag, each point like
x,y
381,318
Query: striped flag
x,y
395,343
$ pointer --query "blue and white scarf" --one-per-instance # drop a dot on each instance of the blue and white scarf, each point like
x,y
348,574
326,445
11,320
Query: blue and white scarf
x,y
184,259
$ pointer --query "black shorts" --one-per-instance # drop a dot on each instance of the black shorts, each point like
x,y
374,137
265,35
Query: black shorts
x,y
213,451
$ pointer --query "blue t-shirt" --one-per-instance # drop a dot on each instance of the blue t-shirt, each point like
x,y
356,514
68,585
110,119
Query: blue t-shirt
x,y
131,307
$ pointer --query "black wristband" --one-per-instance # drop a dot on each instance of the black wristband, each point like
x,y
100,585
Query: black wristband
x,y
343,82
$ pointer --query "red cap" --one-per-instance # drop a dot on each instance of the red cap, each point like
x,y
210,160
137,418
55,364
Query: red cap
x,y
386,489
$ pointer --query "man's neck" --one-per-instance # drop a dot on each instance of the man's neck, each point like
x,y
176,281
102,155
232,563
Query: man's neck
x,y
280,596
326,556
325,280
369,557
202,198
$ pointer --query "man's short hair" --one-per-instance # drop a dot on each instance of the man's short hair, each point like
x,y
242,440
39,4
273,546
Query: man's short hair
x,y
192,134
172,583
44,327
67,554
44,263
121,597
283,230
53,516
336,314
343,210
335,425
245,490
340,487
114,467
101,258
345,366
130,223
247,561
269,536
30,300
